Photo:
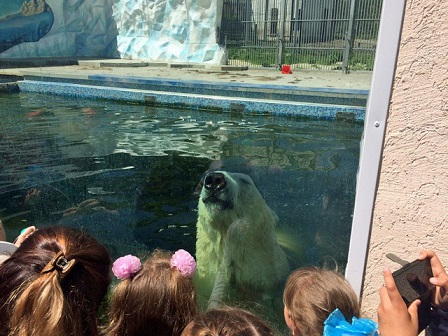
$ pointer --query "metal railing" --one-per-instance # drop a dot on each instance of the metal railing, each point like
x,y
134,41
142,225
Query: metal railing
x,y
319,34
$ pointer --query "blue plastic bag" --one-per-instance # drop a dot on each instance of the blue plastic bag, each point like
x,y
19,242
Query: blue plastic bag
x,y
336,325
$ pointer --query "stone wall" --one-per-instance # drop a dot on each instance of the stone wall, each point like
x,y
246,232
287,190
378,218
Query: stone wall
x,y
169,30
411,210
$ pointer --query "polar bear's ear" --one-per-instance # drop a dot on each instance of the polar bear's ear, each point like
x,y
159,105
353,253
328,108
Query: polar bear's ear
x,y
243,178
200,185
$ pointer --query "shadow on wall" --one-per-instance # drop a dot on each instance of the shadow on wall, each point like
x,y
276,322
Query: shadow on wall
x,y
57,28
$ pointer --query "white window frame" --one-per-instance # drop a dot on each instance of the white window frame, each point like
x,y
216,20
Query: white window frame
x,y
373,138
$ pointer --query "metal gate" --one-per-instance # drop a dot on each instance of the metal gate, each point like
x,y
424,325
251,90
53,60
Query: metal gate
x,y
319,34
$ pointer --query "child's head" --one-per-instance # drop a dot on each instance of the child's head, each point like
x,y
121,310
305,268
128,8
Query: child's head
x,y
227,321
311,295
53,284
154,298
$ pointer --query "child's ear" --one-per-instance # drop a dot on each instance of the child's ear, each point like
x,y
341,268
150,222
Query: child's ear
x,y
288,319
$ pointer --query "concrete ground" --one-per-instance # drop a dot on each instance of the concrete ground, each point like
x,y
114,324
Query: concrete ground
x,y
358,80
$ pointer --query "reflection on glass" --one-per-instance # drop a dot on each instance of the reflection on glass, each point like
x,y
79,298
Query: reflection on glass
x,y
131,176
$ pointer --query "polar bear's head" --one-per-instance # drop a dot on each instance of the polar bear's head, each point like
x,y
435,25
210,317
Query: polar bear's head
x,y
226,197
226,191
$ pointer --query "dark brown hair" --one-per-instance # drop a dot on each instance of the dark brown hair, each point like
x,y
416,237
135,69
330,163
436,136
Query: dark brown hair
x,y
157,301
228,321
312,293
36,303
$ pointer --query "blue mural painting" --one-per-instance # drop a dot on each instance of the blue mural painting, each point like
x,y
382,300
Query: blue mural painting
x,y
23,21
131,29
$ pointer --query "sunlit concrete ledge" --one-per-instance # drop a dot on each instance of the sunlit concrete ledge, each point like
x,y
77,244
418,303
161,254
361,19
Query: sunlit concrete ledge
x,y
119,63
126,63
327,96
45,73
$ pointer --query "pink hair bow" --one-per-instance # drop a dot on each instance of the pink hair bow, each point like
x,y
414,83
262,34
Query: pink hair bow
x,y
184,262
126,267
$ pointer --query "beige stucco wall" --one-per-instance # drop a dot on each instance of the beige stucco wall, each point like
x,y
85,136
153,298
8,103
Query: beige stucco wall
x,y
411,209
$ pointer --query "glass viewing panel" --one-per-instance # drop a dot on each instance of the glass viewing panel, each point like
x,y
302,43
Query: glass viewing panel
x,y
131,176
139,177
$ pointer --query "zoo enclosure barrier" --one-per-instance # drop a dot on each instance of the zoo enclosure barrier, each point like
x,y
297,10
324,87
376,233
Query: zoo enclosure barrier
x,y
305,34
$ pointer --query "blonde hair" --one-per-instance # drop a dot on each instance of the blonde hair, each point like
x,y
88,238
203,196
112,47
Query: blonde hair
x,y
228,321
158,300
312,293
50,303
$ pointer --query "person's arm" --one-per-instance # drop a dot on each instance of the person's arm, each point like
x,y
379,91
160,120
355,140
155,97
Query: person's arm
x,y
24,235
439,279
394,317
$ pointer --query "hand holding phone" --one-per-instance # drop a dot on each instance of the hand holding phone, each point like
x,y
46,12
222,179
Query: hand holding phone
x,y
413,282
394,316
439,280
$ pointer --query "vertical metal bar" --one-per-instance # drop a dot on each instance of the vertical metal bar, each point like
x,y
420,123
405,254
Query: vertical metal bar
x,y
349,37
373,138
225,50
247,21
281,44
295,29
266,19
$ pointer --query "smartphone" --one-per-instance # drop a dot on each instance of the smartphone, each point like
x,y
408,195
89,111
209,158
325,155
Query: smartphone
x,y
412,281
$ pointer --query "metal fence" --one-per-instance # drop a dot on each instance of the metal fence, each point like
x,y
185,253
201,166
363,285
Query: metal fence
x,y
319,34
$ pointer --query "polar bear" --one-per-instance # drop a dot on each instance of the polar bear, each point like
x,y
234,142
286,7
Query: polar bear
x,y
236,244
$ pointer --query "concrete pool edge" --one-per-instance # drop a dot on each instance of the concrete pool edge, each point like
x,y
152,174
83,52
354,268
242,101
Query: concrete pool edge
x,y
267,91
195,101
191,82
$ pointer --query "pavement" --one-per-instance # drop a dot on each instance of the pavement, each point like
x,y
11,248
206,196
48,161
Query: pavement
x,y
357,80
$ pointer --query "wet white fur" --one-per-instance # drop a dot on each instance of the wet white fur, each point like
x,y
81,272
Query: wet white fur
x,y
240,240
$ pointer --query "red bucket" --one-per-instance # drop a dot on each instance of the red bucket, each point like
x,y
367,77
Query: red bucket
x,y
286,69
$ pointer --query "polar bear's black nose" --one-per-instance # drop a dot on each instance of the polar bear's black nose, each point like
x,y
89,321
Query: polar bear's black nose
x,y
215,181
